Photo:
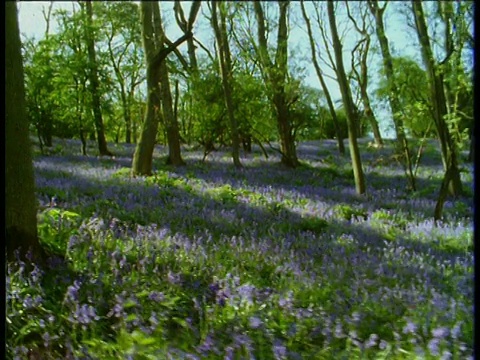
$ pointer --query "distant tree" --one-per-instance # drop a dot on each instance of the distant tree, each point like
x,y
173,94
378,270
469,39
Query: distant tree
x,y
223,48
361,77
20,201
331,107
93,79
451,182
275,75
413,95
169,121
352,116
123,43
396,109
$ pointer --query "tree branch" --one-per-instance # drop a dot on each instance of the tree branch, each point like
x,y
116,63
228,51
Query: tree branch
x,y
162,54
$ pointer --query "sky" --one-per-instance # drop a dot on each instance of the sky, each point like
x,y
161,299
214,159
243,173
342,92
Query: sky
x,y
32,23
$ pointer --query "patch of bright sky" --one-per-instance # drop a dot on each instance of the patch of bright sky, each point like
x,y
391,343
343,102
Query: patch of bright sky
x,y
402,39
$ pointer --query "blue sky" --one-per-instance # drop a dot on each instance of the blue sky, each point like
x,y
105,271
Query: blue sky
x,y
402,39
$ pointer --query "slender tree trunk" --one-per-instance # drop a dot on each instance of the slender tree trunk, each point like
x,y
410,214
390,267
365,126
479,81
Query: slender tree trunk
x,y
126,115
439,103
171,124
471,152
363,82
143,156
331,107
47,128
46,113
226,72
371,117
94,83
84,142
20,200
395,105
275,78
347,103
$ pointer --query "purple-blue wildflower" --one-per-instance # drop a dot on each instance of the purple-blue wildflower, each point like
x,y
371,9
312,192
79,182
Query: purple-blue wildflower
x,y
156,296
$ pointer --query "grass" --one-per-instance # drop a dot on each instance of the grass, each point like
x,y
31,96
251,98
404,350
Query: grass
x,y
208,262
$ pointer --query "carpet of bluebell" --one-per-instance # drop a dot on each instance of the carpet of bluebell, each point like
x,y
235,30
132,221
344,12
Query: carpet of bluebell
x,y
207,261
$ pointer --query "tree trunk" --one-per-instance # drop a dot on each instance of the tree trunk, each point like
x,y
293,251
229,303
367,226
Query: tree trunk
x,y
275,79
143,157
348,104
220,31
331,107
20,201
94,83
471,152
47,128
84,142
392,98
170,122
439,104
363,82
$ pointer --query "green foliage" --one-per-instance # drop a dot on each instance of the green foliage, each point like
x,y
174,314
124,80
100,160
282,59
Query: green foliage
x,y
225,194
414,95
313,224
55,226
348,212
122,173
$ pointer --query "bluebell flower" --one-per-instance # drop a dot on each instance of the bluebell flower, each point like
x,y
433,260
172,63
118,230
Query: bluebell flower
x,y
72,292
434,347
46,339
372,341
339,330
279,350
409,328
255,322
456,331
28,302
440,333
156,296
446,355
36,274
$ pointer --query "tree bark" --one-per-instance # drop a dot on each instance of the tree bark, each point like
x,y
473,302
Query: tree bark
x,y
143,156
331,107
395,105
171,125
347,103
20,201
439,103
186,27
220,31
275,78
94,83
